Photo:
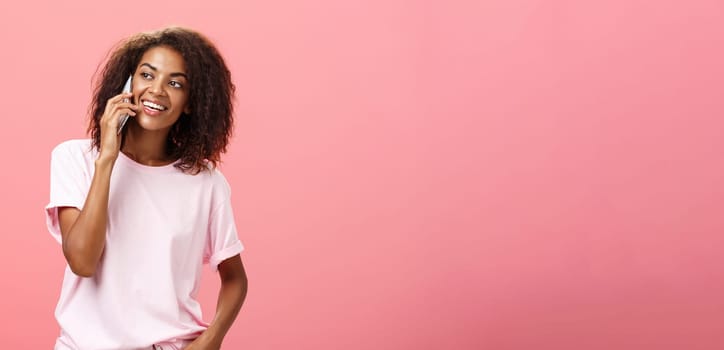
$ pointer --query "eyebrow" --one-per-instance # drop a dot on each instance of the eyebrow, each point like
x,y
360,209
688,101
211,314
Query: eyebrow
x,y
175,74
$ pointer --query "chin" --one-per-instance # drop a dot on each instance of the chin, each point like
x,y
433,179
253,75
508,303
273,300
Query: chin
x,y
152,124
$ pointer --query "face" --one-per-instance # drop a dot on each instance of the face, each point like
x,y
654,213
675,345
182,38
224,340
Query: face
x,y
160,88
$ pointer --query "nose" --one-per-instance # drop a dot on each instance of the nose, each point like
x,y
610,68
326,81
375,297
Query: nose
x,y
156,87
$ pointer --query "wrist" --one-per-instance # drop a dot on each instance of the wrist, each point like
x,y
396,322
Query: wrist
x,y
105,161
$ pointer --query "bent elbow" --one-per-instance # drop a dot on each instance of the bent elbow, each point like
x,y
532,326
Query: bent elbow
x,y
79,264
82,270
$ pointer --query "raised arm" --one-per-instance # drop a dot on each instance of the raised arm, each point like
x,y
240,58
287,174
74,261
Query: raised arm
x,y
84,231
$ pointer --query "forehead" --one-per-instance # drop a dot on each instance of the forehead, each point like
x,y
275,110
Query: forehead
x,y
164,58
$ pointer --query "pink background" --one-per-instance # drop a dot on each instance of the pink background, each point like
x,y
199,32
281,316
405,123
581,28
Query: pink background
x,y
416,174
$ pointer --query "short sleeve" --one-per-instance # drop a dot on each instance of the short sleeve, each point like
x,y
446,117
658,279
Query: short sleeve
x,y
222,240
68,185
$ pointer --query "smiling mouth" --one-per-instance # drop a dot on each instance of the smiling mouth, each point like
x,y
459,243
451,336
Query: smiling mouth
x,y
154,106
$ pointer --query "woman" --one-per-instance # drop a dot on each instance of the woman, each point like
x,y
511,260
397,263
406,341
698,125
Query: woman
x,y
140,208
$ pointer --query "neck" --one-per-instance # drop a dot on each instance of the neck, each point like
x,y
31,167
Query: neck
x,y
144,146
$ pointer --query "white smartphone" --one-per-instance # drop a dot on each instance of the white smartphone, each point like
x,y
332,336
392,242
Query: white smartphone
x,y
124,118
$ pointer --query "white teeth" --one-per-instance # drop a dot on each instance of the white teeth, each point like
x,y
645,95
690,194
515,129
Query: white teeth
x,y
154,106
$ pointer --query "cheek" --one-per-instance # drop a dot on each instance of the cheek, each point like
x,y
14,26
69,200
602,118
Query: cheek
x,y
138,90
137,85
179,100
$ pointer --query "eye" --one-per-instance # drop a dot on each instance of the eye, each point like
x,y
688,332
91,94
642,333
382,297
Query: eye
x,y
175,84
146,75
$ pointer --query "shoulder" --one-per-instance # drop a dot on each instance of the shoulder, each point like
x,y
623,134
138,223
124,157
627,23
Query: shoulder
x,y
72,156
219,181
217,184
76,148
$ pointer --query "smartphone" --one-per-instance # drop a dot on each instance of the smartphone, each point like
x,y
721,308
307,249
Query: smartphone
x,y
124,118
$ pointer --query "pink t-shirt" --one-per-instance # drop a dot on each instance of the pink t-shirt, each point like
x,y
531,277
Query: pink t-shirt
x,y
163,225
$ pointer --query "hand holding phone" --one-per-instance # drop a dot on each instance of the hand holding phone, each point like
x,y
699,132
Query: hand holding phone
x,y
124,118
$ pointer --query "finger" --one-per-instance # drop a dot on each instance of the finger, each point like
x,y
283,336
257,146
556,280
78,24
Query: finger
x,y
117,115
127,105
123,111
114,107
109,113
118,98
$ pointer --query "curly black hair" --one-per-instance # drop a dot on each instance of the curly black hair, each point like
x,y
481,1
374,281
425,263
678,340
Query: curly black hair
x,y
198,140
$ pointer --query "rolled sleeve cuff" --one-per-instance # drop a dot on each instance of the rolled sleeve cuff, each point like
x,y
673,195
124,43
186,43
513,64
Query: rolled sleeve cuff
x,y
53,221
224,254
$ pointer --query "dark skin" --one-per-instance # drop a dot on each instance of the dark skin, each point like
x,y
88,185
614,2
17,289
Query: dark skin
x,y
160,78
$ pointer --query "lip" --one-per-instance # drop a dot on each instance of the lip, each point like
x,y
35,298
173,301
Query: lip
x,y
158,102
150,111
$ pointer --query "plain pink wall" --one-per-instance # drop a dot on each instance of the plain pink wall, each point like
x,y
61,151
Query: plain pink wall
x,y
419,175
